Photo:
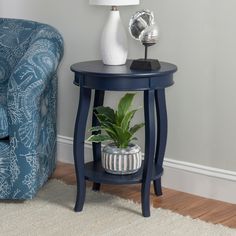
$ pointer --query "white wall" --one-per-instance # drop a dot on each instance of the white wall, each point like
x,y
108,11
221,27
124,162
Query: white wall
x,y
198,36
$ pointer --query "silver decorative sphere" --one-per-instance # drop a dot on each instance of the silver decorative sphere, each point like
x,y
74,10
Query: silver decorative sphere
x,y
142,27
149,35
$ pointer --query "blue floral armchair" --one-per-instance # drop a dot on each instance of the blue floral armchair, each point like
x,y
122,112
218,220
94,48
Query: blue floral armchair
x,y
29,56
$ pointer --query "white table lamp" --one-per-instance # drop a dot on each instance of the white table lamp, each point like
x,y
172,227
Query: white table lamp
x,y
114,48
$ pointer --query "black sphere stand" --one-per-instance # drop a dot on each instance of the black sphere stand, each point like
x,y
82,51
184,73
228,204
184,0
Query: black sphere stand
x,y
145,64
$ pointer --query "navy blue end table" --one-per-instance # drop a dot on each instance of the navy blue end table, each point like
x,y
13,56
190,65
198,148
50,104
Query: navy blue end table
x,y
94,75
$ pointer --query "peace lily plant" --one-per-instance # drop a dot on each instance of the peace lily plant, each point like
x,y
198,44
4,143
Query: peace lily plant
x,y
116,124
120,156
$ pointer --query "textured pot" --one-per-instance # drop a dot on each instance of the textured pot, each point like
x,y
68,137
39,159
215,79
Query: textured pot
x,y
121,161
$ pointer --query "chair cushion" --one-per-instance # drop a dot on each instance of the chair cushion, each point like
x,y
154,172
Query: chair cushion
x,y
3,122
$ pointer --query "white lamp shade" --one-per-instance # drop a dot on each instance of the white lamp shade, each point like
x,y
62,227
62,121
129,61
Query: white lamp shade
x,y
114,2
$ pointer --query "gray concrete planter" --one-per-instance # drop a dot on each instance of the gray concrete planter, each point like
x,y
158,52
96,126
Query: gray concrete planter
x,y
121,161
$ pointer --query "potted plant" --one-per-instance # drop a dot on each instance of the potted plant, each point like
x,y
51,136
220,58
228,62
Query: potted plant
x,y
120,155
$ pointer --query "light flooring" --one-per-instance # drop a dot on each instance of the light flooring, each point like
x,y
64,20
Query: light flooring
x,y
183,203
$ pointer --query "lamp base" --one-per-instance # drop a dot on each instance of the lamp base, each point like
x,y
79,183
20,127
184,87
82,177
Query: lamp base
x,y
114,47
145,64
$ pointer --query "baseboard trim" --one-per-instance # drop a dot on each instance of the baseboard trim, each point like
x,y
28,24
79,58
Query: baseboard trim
x,y
188,177
201,169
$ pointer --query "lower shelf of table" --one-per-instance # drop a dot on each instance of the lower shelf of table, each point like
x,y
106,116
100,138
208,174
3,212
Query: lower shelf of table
x,y
94,172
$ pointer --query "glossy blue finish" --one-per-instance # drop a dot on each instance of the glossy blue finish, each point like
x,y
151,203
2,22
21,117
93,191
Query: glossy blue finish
x,y
94,171
94,75
149,150
98,101
80,126
161,115
121,78
98,69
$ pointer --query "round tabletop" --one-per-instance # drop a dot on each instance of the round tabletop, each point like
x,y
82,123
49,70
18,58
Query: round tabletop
x,y
97,68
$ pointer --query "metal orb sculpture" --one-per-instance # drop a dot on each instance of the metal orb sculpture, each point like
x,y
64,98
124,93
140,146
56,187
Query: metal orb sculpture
x,y
142,27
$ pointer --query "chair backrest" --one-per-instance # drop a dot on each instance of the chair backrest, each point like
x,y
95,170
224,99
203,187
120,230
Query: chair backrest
x,y
15,38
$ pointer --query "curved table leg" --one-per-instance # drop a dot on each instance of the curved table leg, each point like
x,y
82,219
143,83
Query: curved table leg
x,y
161,136
98,101
149,150
78,147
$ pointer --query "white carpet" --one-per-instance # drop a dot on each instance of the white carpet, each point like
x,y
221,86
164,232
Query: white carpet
x,y
50,213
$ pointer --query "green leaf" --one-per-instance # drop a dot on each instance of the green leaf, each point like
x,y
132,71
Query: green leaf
x,y
111,135
115,125
107,112
124,105
101,118
110,131
127,119
123,136
135,128
95,128
118,130
99,138
108,126
126,139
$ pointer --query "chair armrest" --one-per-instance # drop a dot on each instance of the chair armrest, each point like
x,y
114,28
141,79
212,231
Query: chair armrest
x,y
31,77
31,104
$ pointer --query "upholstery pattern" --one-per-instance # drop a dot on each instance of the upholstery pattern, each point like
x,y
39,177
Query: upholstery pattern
x,y
3,122
29,56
